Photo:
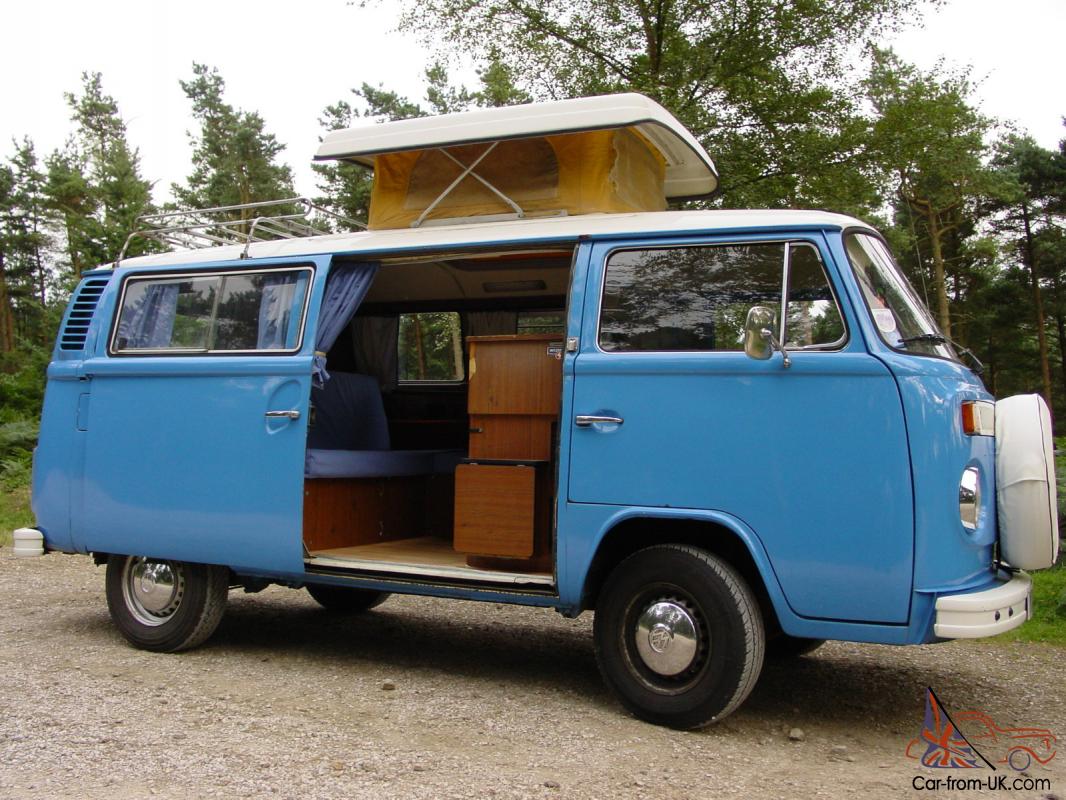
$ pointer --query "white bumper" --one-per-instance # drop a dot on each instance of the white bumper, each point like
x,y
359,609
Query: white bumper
x,y
28,542
985,613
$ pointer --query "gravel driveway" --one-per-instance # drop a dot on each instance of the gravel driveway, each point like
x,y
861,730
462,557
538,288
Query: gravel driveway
x,y
487,701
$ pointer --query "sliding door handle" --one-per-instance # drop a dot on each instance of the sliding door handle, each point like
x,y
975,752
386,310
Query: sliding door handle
x,y
291,414
584,420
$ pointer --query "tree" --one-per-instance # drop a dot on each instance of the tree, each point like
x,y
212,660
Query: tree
x,y
931,142
234,158
94,184
23,241
1024,212
762,83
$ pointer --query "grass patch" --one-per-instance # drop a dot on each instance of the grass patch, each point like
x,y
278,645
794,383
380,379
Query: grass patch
x,y
1049,610
14,512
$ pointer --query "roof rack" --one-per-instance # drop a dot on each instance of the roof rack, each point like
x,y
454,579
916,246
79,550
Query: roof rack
x,y
240,224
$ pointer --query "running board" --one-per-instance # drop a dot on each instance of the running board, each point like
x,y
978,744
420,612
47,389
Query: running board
x,y
439,572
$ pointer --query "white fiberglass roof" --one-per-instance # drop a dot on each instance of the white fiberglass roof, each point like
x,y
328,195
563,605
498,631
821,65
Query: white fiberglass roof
x,y
511,234
690,172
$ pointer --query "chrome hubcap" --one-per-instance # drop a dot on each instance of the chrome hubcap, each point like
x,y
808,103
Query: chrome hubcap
x,y
667,638
152,589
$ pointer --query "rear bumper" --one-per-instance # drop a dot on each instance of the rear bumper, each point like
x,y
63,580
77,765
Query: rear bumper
x,y
986,612
27,543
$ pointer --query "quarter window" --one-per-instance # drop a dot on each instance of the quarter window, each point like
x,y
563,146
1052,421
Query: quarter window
x,y
241,312
697,298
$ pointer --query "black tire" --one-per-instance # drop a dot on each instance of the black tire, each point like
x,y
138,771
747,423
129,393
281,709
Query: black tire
x,y
165,606
691,590
783,647
344,599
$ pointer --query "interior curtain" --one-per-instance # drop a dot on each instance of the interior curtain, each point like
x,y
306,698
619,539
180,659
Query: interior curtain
x,y
275,311
375,344
345,289
491,323
152,323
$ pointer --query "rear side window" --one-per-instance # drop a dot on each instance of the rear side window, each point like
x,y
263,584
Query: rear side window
x,y
697,298
430,348
245,312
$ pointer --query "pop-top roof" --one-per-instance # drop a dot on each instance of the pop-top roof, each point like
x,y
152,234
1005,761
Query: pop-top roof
x,y
690,171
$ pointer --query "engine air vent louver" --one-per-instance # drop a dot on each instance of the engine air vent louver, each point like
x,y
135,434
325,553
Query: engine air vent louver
x,y
76,326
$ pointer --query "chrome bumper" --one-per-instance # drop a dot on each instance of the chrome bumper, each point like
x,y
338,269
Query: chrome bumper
x,y
985,613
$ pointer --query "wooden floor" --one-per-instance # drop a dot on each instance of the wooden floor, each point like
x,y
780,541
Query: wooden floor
x,y
427,556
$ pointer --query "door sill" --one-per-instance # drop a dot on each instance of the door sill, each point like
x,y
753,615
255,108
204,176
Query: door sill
x,y
423,559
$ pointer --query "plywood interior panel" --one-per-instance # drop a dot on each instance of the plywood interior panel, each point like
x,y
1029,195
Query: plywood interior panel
x,y
515,374
495,510
511,437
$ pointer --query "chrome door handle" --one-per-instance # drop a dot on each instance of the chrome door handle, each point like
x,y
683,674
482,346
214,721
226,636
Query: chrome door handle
x,y
292,414
584,420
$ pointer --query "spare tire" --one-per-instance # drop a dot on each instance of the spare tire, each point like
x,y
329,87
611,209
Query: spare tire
x,y
1025,483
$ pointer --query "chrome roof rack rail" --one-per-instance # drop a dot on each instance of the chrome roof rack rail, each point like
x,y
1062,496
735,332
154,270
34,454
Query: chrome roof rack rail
x,y
240,224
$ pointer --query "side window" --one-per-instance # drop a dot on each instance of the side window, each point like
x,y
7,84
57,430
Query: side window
x,y
687,298
813,318
430,347
697,298
241,312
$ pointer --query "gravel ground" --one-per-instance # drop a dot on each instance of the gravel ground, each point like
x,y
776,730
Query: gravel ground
x,y
489,701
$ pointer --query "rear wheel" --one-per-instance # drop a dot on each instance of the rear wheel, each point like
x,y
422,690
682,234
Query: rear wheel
x,y
679,637
344,599
165,606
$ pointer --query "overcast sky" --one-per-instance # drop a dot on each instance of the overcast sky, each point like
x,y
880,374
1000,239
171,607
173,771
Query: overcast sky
x,y
289,60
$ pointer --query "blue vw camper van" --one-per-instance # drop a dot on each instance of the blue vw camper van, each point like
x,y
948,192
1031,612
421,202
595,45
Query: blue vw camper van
x,y
725,433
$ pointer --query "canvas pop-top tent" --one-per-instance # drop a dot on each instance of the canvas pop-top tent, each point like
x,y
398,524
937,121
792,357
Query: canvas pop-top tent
x,y
613,153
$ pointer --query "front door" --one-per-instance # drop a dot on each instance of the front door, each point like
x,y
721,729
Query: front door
x,y
812,457
197,417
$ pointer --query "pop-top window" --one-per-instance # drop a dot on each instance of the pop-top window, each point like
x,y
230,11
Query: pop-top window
x,y
240,312
430,347
697,298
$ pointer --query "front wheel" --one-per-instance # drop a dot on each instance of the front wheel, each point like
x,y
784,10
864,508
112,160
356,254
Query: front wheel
x,y
679,637
165,606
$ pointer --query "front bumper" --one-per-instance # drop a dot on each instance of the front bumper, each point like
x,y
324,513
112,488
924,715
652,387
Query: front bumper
x,y
986,612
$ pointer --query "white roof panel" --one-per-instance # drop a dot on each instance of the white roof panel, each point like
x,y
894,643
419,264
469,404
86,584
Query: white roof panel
x,y
509,234
690,172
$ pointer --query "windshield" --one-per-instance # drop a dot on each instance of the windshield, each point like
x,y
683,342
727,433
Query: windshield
x,y
901,319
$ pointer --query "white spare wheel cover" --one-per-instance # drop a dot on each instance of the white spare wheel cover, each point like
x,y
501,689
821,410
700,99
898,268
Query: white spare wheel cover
x,y
1025,483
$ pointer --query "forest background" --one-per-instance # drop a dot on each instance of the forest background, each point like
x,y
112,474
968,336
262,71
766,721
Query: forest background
x,y
798,102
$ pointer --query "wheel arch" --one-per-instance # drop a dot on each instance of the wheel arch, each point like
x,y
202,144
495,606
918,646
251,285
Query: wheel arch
x,y
721,534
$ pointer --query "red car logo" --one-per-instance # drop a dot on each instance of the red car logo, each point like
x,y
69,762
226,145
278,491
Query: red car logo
x,y
959,742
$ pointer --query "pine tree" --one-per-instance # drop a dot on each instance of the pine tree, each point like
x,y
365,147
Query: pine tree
x,y
234,158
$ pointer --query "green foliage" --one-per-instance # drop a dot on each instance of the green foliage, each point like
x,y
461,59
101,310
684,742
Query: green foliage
x,y
765,85
234,158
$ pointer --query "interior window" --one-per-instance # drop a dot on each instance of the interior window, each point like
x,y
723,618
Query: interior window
x,y
541,322
687,298
430,347
244,312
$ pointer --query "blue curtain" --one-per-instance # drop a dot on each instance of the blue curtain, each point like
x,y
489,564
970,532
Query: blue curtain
x,y
152,323
275,312
345,290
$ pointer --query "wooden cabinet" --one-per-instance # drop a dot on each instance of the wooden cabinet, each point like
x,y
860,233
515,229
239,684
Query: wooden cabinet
x,y
504,510
515,386
495,510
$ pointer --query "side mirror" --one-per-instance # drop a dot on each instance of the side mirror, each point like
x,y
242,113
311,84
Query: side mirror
x,y
759,339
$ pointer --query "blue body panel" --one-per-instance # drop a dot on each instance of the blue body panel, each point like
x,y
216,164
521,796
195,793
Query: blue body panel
x,y
813,458
840,475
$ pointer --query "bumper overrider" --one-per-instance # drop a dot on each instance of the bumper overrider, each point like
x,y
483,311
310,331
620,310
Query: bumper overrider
x,y
987,612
